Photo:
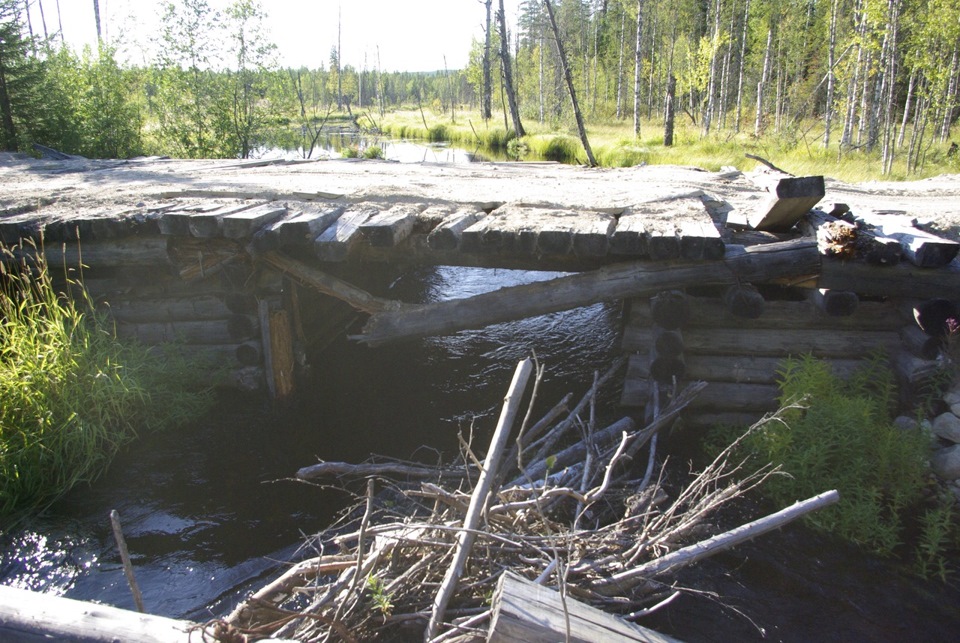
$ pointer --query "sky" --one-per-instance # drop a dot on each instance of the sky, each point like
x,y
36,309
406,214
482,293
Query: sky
x,y
412,35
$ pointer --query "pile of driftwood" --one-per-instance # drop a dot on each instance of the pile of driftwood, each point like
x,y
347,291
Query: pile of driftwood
x,y
442,552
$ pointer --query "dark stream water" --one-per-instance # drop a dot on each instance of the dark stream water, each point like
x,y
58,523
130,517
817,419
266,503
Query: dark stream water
x,y
209,510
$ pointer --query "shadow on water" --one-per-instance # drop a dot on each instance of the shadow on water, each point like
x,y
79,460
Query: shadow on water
x,y
209,511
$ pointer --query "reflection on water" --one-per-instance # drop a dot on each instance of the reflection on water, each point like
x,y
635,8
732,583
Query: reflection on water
x,y
344,144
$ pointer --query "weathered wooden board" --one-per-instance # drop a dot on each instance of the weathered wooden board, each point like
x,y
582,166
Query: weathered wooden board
x,y
31,616
716,397
447,234
630,236
789,200
513,229
305,226
668,229
524,612
334,243
388,229
242,225
175,221
206,225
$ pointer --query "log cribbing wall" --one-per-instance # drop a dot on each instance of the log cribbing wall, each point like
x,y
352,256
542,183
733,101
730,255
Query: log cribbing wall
x,y
739,357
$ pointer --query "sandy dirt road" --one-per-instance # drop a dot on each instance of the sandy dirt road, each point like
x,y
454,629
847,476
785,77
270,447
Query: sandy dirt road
x,y
67,188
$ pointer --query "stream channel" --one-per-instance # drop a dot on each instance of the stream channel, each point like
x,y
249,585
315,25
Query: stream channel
x,y
209,510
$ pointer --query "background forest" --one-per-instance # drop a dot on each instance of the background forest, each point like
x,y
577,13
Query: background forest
x,y
876,80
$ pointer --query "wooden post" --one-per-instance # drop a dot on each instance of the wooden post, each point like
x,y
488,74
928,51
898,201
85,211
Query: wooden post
x,y
478,500
744,300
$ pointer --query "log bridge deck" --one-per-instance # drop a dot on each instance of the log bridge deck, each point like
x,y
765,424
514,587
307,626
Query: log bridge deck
x,y
724,274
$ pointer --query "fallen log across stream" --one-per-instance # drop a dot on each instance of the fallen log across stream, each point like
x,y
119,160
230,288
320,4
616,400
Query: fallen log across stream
x,y
795,259
422,556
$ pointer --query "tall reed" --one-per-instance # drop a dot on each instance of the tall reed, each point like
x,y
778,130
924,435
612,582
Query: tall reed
x,y
71,394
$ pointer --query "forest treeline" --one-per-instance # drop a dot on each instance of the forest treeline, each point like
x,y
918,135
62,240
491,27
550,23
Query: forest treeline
x,y
874,77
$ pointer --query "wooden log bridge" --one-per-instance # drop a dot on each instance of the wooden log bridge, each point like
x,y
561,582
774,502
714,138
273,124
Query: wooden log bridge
x,y
246,266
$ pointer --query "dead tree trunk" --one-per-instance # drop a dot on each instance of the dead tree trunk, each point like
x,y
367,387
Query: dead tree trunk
x,y
508,73
486,110
581,128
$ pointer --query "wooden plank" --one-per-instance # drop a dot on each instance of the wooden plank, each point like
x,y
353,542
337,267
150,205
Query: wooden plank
x,y
31,616
591,235
700,240
390,228
176,220
334,243
920,247
505,230
790,199
242,225
305,226
630,236
715,397
447,235
206,225
524,612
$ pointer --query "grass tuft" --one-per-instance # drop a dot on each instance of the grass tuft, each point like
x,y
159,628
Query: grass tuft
x,y
71,394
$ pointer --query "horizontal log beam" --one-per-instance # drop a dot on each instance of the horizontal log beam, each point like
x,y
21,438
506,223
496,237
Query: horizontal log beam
x,y
760,263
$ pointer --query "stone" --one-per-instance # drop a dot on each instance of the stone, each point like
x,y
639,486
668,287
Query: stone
x,y
946,462
906,423
947,426
952,396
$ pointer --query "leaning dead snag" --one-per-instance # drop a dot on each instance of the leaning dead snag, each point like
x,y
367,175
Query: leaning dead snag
x,y
424,556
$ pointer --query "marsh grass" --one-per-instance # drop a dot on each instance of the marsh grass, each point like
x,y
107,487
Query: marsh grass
x,y
796,149
71,394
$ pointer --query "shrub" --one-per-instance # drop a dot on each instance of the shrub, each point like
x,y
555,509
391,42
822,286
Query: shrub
x,y
842,437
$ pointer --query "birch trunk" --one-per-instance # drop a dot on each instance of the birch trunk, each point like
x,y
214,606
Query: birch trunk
x,y
743,56
637,59
831,74
761,86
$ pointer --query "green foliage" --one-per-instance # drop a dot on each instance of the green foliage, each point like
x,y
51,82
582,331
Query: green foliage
x,y
841,437
382,599
373,152
71,394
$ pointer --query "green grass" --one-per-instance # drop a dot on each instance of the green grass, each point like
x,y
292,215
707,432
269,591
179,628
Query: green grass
x,y
71,394
798,150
